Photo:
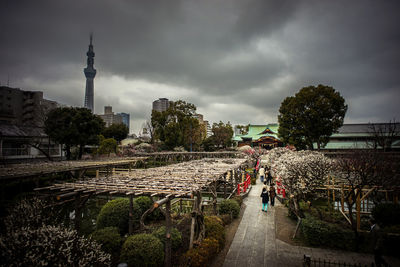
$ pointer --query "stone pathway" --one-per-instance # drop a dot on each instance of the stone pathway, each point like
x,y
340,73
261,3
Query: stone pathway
x,y
255,244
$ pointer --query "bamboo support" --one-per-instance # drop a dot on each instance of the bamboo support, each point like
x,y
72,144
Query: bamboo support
x,y
130,214
342,198
168,226
345,216
358,208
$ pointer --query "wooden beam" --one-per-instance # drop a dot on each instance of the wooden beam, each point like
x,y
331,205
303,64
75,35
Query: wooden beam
x,y
168,242
130,214
368,192
358,208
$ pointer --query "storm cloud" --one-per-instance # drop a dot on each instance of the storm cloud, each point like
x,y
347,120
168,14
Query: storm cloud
x,y
235,60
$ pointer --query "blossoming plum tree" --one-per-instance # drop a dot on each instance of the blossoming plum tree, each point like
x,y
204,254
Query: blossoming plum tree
x,y
301,173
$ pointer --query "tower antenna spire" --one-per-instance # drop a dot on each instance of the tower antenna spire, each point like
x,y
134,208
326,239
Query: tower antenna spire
x,y
90,73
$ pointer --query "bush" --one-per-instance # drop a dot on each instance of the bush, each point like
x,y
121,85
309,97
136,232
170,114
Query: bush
x,y
238,199
176,236
142,250
215,229
109,239
320,233
145,203
229,206
203,254
226,219
50,246
386,214
115,213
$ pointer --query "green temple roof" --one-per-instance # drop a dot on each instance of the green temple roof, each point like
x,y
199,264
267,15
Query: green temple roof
x,y
257,131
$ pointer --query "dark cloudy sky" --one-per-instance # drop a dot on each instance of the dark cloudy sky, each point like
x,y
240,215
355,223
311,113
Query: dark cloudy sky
x,y
236,60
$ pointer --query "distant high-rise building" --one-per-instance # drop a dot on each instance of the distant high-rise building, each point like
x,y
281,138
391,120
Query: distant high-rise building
x,y
161,104
125,118
208,129
109,117
90,73
20,107
22,118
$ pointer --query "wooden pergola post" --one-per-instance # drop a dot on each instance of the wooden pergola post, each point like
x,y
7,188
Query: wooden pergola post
x,y
358,207
79,203
214,196
193,223
168,242
130,214
225,180
78,212
342,197
197,229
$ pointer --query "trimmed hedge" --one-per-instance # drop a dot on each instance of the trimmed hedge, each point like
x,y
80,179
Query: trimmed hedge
x,y
215,229
203,254
320,233
109,239
386,214
226,219
142,250
176,236
145,203
238,199
229,206
115,213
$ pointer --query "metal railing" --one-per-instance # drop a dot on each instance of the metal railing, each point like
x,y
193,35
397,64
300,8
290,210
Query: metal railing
x,y
308,262
15,152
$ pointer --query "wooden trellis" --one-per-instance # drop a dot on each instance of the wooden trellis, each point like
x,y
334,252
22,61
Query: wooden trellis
x,y
22,170
181,180
335,190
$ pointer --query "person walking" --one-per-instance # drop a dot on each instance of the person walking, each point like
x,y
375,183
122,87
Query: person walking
x,y
269,177
265,185
265,199
272,194
261,172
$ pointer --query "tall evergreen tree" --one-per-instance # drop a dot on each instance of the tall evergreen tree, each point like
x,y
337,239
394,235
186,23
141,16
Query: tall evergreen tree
x,y
311,116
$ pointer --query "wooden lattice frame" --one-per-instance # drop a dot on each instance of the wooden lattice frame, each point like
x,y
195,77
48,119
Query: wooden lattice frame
x,y
176,180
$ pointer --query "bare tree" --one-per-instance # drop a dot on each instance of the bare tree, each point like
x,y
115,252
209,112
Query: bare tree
x,y
365,169
384,134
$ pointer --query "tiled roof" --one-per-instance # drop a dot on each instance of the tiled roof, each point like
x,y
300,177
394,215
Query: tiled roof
x,y
21,131
257,131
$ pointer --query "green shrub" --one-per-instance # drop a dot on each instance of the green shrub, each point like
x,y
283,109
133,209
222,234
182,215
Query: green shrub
x,y
386,214
203,254
229,206
226,219
145,203
115,213
238,199
320,233
215,229
176,236
109,239
142,250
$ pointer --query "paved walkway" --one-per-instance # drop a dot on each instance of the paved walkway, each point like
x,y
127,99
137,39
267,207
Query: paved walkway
x,y
255,244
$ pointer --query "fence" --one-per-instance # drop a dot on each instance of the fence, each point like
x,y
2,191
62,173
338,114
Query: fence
x,y
242,187
308,262
185,205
